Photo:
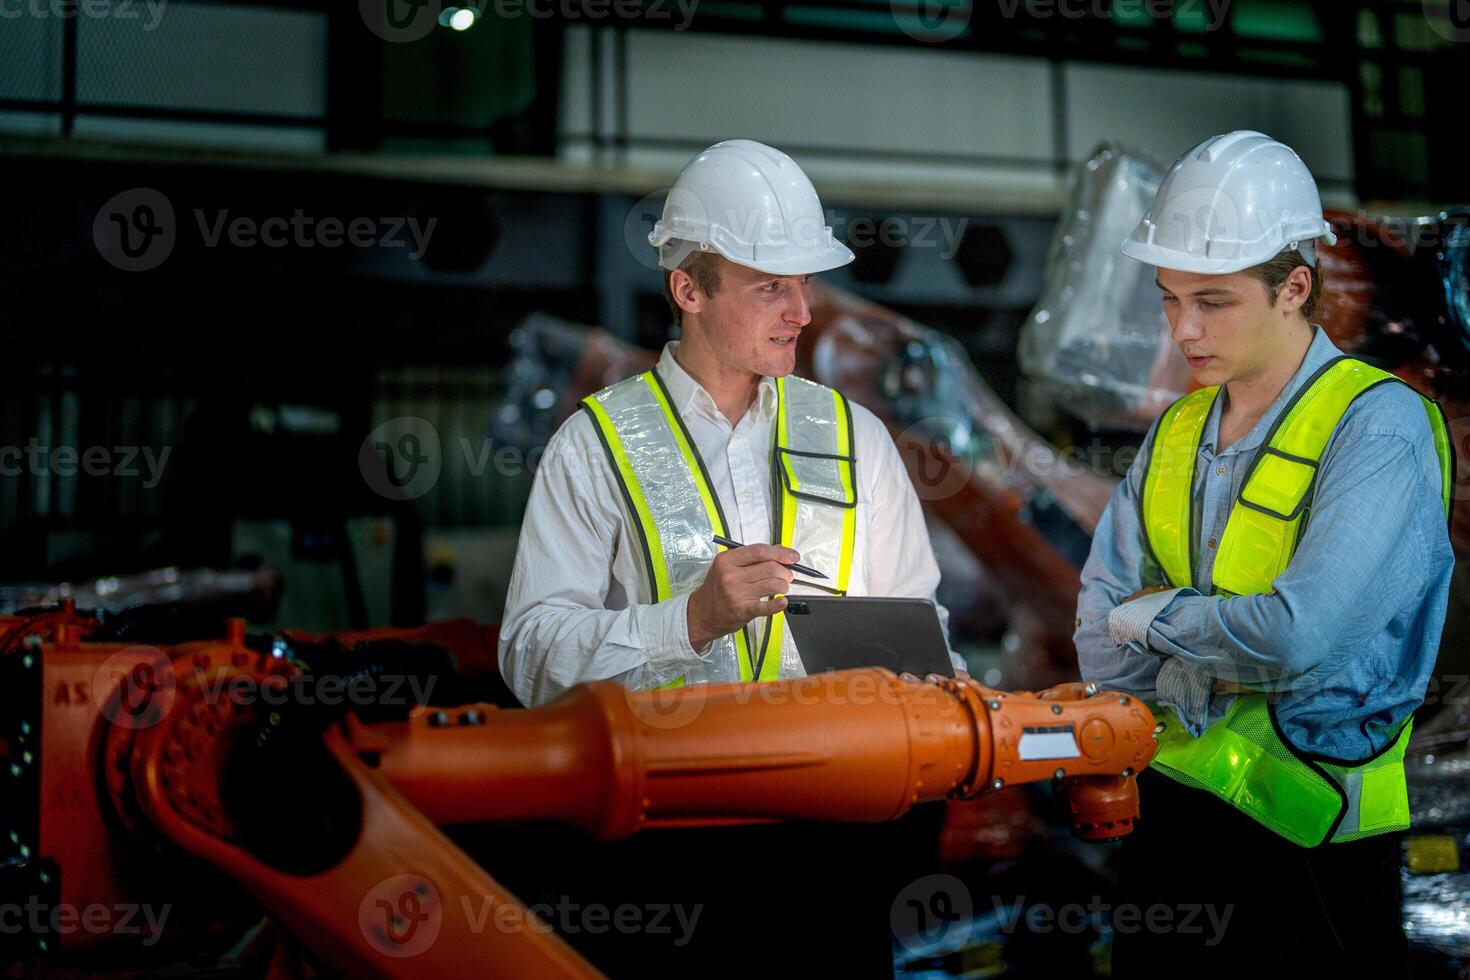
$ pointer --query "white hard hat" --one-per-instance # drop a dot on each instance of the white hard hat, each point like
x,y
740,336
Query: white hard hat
x,y
1231,202
752,204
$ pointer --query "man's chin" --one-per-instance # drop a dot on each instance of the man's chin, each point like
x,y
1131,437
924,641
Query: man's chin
x,y
781,364
1210,372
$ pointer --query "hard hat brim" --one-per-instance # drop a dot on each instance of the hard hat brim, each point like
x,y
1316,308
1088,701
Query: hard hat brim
x,y
801,265
798,265
1166,258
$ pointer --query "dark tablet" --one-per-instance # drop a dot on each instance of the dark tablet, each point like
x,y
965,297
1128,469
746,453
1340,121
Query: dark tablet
x,y
839,632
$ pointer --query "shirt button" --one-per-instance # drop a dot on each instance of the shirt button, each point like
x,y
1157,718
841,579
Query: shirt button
x,y
1212,543
1077,623
1220,470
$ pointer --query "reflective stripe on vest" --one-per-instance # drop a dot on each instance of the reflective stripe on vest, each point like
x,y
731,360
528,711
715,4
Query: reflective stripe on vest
x,y
1244,759
676,512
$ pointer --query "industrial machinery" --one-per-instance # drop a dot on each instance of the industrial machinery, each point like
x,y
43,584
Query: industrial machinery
x,y
310,777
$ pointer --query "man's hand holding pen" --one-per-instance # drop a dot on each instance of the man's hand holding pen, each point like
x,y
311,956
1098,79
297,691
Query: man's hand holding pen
x,y
736,588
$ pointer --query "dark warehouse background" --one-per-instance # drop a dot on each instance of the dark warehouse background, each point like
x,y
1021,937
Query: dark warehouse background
x,y
254,253
260,368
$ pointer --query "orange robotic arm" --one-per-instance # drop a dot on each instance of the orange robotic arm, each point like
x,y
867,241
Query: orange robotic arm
x,y
857,745
332,822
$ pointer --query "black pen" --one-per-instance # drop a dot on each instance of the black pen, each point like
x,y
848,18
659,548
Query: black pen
x,y
728,543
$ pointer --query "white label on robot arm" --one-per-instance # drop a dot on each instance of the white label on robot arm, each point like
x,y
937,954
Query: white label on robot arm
x,y
1051,742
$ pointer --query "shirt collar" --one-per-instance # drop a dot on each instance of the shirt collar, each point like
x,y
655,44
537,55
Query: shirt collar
x,y
689,396
1321,350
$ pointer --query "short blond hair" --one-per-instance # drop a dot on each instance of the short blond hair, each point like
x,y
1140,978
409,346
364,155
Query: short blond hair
x,y
704,269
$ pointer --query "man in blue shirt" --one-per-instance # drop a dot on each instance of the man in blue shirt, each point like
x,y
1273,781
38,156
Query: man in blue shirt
x,y
1272,574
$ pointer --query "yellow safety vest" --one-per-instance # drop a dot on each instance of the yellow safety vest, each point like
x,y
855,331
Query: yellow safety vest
x,y
1244,759
676,513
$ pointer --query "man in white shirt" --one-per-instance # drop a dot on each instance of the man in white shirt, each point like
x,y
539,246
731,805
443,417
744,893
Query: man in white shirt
x,y
616,575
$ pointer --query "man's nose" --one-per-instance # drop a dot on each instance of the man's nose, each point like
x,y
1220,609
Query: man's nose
x,y
798,311
1186,327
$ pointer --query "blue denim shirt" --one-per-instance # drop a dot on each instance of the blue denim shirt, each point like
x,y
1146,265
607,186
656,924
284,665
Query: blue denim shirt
x,y
1347,639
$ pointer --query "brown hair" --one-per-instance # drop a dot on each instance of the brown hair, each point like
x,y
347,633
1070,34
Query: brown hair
x,y
704,269
1273,275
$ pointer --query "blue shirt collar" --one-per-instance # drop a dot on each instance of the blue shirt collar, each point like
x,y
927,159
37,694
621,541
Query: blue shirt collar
x,y
1321,351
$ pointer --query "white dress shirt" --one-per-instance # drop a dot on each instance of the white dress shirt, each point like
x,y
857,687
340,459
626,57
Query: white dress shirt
x,y
579,608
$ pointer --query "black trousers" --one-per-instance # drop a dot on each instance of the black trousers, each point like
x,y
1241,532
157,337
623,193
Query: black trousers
x,y
1266,907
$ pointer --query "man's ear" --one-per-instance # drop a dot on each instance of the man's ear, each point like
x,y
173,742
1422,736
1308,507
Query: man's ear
x,y
1295,290
688,295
